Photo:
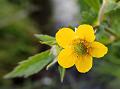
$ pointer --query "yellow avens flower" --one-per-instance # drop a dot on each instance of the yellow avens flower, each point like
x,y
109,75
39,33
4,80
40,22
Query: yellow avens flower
x,y
79,47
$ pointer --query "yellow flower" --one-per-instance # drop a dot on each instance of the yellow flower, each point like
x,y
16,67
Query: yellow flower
x,y
79,47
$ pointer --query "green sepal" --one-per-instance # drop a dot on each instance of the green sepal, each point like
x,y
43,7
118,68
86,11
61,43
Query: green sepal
x,y
62,72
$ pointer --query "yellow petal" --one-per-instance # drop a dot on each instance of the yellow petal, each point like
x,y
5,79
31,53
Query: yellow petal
x,y
84,63
66,58
64,36
97,49
86,32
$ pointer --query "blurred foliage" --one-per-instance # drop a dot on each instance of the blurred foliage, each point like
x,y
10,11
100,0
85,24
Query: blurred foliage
x,y
16,35
111,66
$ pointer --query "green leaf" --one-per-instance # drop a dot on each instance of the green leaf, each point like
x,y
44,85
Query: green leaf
x,y
114,22
88,14
46,39
62,72
103,36
31,66
93,4
112,5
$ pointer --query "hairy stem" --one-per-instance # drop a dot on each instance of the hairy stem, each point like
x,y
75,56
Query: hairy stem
x,y
102,11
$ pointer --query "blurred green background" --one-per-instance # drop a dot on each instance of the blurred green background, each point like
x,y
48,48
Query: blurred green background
x,y
21,19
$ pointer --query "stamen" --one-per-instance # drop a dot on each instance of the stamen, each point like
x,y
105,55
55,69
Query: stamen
x,y
80,49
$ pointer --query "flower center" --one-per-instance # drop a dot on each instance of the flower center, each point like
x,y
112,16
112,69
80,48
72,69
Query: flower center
x,y
80,49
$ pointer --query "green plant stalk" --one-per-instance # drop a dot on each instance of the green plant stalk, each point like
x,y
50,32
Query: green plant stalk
x,y
101,17
102,11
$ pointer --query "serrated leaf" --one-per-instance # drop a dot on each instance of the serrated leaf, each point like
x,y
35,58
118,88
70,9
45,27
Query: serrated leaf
x,y
62,72
46,39
31,66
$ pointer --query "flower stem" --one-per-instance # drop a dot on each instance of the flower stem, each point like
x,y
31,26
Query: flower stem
x,y
102,11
